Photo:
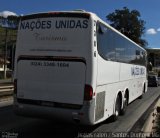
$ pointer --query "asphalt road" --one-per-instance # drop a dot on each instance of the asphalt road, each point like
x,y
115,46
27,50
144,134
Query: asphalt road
x,y
21,127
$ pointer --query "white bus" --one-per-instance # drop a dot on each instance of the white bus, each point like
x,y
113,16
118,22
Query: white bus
x,y
74,66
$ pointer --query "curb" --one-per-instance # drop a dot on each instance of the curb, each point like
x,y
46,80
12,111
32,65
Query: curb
x,y
150,124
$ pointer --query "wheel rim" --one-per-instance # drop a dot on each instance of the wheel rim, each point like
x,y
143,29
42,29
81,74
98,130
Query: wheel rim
x,y
126,100
117,113
117,109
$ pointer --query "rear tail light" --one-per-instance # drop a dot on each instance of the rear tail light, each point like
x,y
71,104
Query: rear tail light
x,y
15,86
88,93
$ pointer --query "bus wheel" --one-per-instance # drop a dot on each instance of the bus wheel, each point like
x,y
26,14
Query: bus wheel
x,y
117,108
140,97
125,103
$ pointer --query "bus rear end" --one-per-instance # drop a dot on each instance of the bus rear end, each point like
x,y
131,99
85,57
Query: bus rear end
x,y
53,65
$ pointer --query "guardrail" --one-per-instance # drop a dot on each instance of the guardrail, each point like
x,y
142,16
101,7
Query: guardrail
x,y
6,90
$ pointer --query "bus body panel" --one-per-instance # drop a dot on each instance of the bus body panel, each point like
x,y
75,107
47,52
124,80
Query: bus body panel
x,y
46,90
54,41
116,77
111,73
54,87
51,81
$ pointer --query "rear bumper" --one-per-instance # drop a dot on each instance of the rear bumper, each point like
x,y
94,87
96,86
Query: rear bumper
x,y
85,115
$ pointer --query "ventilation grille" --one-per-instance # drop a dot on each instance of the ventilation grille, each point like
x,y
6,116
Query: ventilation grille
x,y
100,100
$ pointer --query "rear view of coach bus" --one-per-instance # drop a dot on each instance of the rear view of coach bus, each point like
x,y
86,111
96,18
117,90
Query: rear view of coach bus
x,y
51,64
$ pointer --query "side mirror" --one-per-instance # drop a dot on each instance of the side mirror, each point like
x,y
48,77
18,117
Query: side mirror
x,y
102,29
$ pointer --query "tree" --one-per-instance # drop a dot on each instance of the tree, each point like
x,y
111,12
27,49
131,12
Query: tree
x,y
13,20
129,23
8,34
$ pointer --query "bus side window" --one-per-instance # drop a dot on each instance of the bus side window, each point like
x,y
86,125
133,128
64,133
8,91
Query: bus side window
x,y
105,38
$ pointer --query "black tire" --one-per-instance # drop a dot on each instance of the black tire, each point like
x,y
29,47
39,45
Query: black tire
x,y
117,109
125,104
140,97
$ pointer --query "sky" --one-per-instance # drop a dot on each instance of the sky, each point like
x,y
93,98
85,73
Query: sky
x,y
149,10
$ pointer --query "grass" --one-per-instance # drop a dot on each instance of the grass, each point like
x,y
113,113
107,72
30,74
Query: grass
x,y
11,37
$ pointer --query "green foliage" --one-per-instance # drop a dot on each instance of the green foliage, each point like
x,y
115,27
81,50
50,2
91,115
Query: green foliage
x,y
13,19
11,37
10,33
129,23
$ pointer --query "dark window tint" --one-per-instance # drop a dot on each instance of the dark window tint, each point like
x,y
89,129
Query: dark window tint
x,y
106,43
112,46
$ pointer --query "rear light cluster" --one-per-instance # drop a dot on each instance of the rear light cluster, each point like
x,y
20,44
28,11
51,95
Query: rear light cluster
x,y
88,93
